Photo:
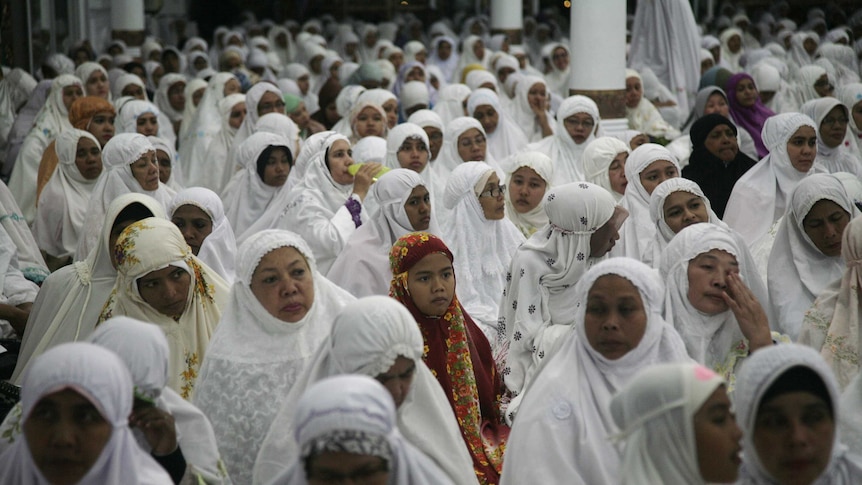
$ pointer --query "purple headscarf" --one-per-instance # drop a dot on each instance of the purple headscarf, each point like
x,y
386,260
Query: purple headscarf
x,y
750,118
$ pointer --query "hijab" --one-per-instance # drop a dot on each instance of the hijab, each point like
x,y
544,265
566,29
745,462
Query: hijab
x,y
507,138
561,147
218,250
597,159
162,98
832,159
534,219
218,167
450,102
523,113
851,95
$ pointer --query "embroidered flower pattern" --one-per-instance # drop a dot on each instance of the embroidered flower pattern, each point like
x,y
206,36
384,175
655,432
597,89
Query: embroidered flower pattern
x,y
551,196
550,261
189,375
517,336
531,309
580,256
583,186
583,220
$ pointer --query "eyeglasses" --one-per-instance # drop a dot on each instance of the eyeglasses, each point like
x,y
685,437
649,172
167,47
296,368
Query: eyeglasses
x,y
496,192
468,143
829,121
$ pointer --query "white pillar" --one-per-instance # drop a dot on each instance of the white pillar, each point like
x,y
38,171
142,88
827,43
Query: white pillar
x,y
127,23
507,18
598,47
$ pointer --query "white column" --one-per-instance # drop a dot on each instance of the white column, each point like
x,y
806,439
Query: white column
x,y
127,23
507,18
598,47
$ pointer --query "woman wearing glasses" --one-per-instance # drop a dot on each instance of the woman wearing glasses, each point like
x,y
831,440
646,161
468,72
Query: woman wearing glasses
x,y
576,126
831,117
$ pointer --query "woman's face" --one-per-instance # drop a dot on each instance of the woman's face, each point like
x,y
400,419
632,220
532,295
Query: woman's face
x,y
716,103
166,290
721,142
398,378
303,82
561,58
435,139
793,436
158,72
634,92
197,95
300,116
237,115
491,199
146,171
526,189
615,319
802,149
488,116
810,46
277,167
471,145
415,74
101,126
856,112
134,91
717,436
391,109
834,126
147,124
823,87
537,95
617,173
70,94
479,49
444,50
340,157
706,65
333,466
283,284
431,284
682,209
824,224
734,43
579,126
707,280
746,93
418,208
270,103
88,158
194,223
97,84
232,86
65,434
166,166
369,122
176,96
656,173
396,58
638,140
413,154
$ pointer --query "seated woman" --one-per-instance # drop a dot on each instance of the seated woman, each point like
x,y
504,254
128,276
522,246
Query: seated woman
x,y
537,305
505,137
160,281
783,388
199,215
482,240
833,154
69,302
532,108
17,294
280,311
216,166
677,427
367,119
62,206
642,114
716,162
806,256
577,125
407,147
529,179
746,109
377,337
346,428
458,353
84,393
561,432
604,162
170,172
715,298
267,162
404,206
464,141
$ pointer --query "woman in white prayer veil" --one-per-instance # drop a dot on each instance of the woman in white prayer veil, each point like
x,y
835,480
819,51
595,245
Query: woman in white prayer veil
x,y
530,176
834,153
800,54
851,96
206,122
731,49
63,203
407,147
354,414
404,206
560,434
217,247
451,102
261,99
472,52
647,166
532,109
192,87
558,78
218,168
169,169
578,124
481,239
641,113
537,309
269,333
806,256
604,161
448,65
465,130
120,177
374,336
505,138
808,79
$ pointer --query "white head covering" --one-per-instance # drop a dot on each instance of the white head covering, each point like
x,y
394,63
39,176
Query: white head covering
x,y
448,159
758,374
729,59
217,169
523,114
450,101
537,307
203,127
567,154
370,149
124,80
656,415
531,221
562,428
129,112
259,356
507,138
806,77
851,95
338,408
447,66
176,179
85,70
190,109
345,101
101,377
646,118
597,159
841,158
367,336
478,77
118,154
218,250
281,125
249,124
414,93
426,118
396,137
161,98
798,271
760,197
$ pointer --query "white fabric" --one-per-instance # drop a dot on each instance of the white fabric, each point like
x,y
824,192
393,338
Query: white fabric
x,y
218,250
558,81
531,221
367,336
561,147
537,307
656,415
850,421
561,433
203,127
192,86
730,60
760,197
128,113
805,79
281,125
218,168
396,137
15,290
63,202
249,124
507,138
30,260
71,298
362,404
755,378
851,95
448,159
15,89
101,377
176,179
258,357
645,117
597,159
523,114
162,100
449,102
832,159
468,57
798,271
118,155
